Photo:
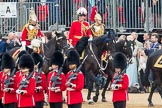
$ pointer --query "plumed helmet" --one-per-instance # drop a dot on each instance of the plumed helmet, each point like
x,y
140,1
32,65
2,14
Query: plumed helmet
x,y
26,61
37,59
73,58
98,17
57,58
7,62
120,61
81,11
32,15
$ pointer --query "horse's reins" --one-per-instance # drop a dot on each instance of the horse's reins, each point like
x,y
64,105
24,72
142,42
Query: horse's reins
x,y
101,68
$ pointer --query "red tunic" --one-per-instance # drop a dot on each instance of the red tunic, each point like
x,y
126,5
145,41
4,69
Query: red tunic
x,y
53,96
75,96
27,99
9,97
25,34
122,93
1,92
39,96
78,30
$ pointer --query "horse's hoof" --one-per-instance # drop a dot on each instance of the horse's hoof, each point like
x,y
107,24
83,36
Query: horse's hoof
x,y
151,105
90,102
95,98
104,100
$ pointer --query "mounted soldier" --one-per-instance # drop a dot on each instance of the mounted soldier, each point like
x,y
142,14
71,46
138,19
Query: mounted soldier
x,y
98,27
79,28
31,30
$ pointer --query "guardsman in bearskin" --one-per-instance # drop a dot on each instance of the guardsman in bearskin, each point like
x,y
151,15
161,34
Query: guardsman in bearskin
x,y
18,73
56,81
79,28
26,82
8,79
120,81
31,30
74,81
97,28
40,78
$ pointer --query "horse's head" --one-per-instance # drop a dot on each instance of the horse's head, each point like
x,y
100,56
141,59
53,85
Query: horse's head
x,y
104,43
61,41
124,46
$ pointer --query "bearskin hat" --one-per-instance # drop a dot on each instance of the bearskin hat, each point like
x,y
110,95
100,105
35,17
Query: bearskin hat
x,y
120,61
7,61
37,59
73,58
26,61
57,58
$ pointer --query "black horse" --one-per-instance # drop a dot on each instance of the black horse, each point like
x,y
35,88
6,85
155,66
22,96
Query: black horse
x,y
57,42
121,46
92,65
154,64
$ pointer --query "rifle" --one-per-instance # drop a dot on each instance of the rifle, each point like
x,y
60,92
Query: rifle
x,y
9,81
38,77
25,82
74,75
56,79
118,78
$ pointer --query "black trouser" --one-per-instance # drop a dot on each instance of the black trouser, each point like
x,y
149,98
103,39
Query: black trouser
x,y
75,105
56,105
10,105
1,105
120,104
39,104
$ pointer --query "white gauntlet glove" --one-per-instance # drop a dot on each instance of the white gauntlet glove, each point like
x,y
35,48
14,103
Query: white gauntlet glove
x,y
23,45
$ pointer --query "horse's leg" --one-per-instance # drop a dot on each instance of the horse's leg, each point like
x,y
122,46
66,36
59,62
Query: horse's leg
x,y
154,86
105,89
90,87
95,98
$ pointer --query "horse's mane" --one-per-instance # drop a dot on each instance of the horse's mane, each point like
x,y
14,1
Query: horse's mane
x,y
103,38
82,44
119,45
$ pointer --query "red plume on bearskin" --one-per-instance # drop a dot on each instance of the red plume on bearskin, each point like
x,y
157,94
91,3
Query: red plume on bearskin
x,y
93,13
7,62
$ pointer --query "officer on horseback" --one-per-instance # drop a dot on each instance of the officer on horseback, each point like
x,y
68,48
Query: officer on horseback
x,y
31,30
79,28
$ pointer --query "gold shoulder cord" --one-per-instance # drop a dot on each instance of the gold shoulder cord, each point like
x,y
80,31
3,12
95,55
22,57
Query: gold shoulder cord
x,y
84,28
99,32
31,33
